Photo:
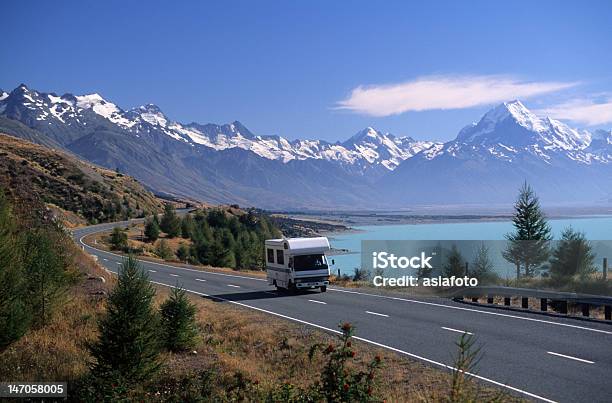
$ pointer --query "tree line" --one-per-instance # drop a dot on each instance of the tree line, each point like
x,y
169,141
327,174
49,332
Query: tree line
x,y
218,237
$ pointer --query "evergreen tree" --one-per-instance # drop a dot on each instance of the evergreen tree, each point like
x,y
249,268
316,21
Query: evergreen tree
x,y
183,253
528,246
482,267
219,255
127,351
163,250
151,230
15,316
46,273
119,239
170,222
187,226
178,322
572,256
455,265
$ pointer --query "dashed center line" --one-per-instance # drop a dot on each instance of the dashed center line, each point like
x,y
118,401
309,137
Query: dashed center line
x,y
153,271
232,285
457,330
571,358
174,275
200,279
317,302
118,262
377,314
106,260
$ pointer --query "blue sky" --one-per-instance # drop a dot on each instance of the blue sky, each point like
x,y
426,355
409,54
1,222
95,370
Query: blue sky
x,y
323,69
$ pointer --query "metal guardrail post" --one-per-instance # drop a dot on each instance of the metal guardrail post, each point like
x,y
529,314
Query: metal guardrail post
x,y
585,310
507,301
543,304
563,307
605,268
474,299
489,300
608,312
525,303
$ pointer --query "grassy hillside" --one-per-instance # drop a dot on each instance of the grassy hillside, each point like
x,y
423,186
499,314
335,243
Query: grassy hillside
x,y
82,192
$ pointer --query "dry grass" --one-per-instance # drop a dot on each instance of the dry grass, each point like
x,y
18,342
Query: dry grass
x,y
233,340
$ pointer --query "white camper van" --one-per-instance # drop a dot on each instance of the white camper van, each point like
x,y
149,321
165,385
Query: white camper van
x,y
295,263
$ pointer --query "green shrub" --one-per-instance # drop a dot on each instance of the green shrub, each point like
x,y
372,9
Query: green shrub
x,y
178,322
341,382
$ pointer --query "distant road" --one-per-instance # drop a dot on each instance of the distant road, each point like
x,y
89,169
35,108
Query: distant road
x,y
529,355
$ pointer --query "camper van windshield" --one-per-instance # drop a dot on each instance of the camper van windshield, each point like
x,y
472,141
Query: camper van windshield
x,y
309,262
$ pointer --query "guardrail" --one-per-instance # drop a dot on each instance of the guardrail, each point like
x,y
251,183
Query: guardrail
x,y
560,299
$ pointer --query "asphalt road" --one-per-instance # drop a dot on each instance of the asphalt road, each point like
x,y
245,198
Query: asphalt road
x,y
529,355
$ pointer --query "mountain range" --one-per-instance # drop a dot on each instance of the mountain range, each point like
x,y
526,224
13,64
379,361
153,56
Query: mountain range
x,y
485,163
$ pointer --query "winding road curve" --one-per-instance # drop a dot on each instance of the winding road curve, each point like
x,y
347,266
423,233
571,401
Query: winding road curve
x,y
533,356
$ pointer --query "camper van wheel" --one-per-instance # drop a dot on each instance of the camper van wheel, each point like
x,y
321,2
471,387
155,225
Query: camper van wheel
x,y
323,288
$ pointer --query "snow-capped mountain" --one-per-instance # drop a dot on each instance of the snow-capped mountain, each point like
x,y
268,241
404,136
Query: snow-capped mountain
x,y
490,158
367,150
486,162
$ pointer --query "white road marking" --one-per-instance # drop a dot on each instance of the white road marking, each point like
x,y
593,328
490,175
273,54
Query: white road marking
x,y
505,315
106,260
200,279
152,271
232,285
456,330
397,350
379,314
118,262
571,358
317,302
173,275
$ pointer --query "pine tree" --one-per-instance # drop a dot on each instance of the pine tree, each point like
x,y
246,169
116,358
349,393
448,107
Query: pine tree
x,y
187,226
455,265
127,351
572,256
482,267
219,255
46,274
151,230
163,250
119,239
15,316
170,223
183,253
528,246
178,322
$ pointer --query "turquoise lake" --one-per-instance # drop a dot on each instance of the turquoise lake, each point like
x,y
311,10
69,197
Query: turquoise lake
x,y
595,228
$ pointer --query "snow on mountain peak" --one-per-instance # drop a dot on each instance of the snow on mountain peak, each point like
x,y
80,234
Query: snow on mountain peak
x,y
515,110
151,114
510,129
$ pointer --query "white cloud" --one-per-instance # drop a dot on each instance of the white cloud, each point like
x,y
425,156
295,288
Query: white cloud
x,y
442,92
584,111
